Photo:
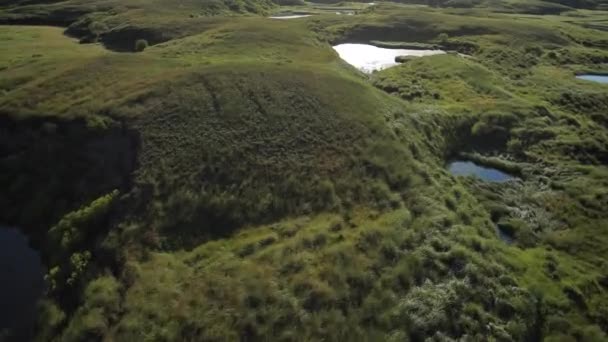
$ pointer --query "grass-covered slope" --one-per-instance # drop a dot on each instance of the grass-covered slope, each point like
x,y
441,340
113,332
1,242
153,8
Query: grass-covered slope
x,y
217,132
223,139
237,181
119,24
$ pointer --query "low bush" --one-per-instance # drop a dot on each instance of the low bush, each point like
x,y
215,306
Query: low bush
x,y
101,306
141,45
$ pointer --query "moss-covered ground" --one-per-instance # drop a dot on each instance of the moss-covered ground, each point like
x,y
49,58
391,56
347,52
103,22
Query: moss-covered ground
x,y
236,180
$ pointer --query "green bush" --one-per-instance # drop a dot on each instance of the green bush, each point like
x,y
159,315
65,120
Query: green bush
x,y
71,237
49,318
404,59
101,306
141,45
72,229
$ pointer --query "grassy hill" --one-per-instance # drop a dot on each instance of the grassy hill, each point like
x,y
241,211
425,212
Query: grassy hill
x,y
236,180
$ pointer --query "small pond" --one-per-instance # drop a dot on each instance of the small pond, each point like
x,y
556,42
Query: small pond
x,y
368,58
504,236
468,168
594,78
290,16
21,283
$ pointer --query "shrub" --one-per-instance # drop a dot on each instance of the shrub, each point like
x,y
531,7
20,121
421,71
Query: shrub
x,y
92,320
72,230
327,195
430,307
78,263
50,317
67,241
141,45
404,59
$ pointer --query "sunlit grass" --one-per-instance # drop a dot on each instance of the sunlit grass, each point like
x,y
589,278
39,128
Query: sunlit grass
x,y
278,193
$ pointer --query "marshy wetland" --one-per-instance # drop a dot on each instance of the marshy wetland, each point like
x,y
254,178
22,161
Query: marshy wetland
x,y
203,172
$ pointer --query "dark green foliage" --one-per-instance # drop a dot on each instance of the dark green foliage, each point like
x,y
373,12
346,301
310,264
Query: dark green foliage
x,y
404,59
101,307
69,240
583,102
96,160
72,229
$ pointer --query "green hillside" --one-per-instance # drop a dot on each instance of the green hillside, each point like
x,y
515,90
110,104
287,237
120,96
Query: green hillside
x,y
197,171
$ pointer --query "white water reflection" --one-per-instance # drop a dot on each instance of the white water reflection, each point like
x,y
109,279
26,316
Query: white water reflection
x,y
294,16
368,58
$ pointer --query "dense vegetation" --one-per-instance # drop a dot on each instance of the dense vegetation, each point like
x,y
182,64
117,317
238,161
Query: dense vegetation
x,y
235,180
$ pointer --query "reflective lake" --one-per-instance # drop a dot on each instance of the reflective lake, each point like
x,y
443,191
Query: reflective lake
x,y
504,236
368,58
290,16
594,78
468,168
21,284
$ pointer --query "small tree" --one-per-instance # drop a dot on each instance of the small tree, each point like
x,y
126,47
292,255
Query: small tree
x,y
141,45
443,37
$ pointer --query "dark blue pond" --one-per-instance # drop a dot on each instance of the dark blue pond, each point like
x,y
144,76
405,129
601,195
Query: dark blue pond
x,y
504,236
594,78
21,285
467,168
